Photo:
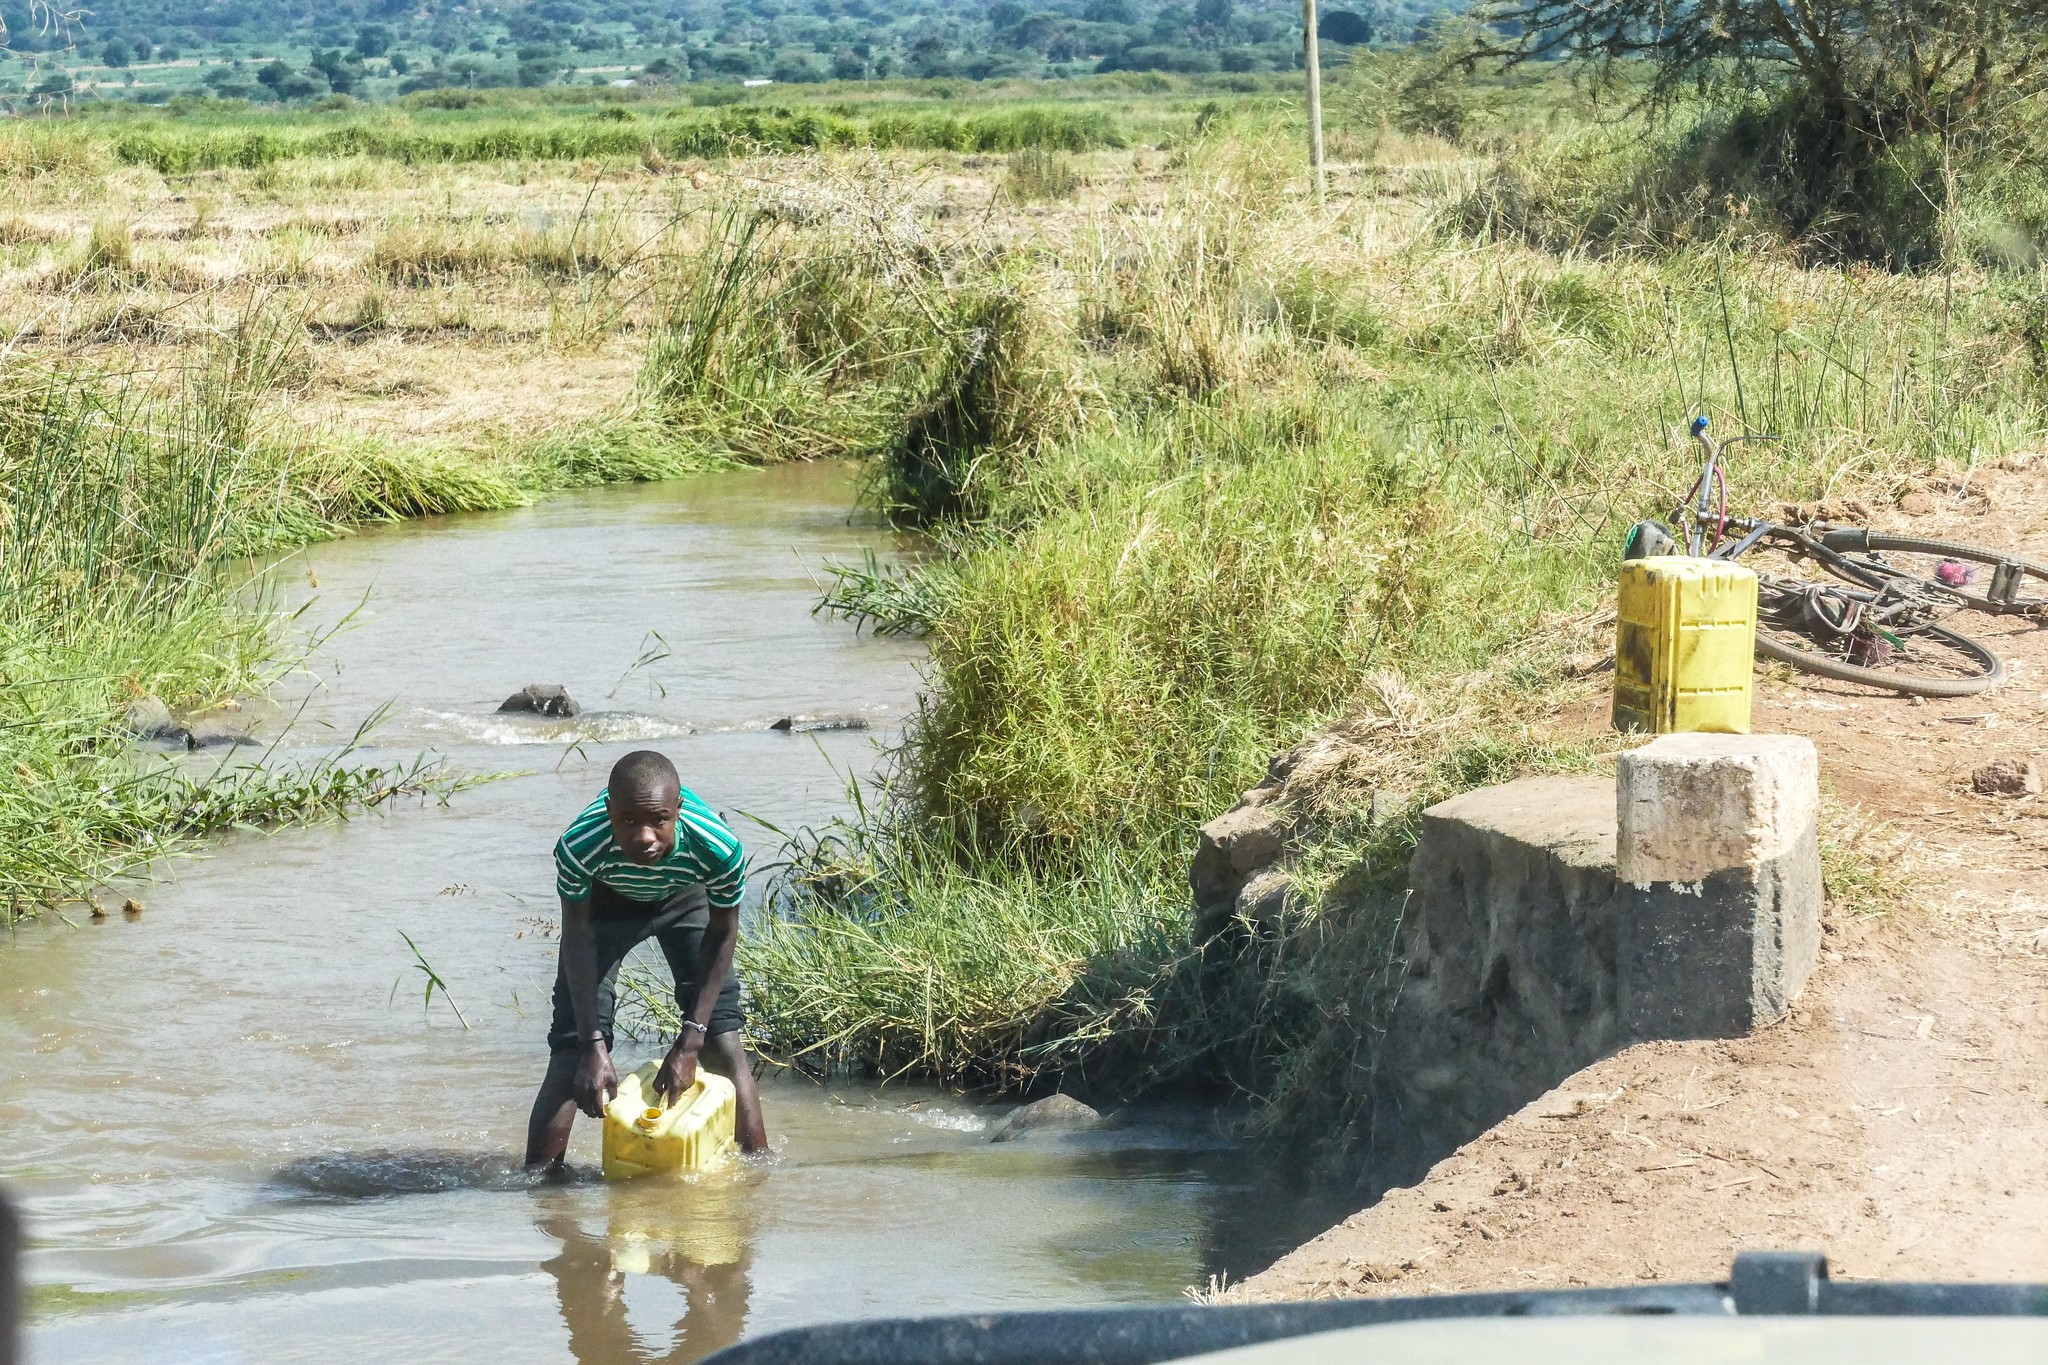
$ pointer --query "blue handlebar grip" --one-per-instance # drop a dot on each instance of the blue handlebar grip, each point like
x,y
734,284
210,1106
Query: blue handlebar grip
x,y
1699,424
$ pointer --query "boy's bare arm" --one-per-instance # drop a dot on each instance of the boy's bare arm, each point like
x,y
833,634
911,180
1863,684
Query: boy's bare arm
x,y
596,1082
679,1068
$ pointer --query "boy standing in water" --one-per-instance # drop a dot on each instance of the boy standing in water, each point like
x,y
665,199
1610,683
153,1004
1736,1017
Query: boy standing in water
x,y
647,859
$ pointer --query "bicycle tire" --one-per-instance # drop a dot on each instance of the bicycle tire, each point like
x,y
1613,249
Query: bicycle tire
x,y
2034,573
1827,666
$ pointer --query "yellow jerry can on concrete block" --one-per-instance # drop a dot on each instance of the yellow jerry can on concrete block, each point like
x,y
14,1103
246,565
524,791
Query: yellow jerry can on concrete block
x,y
641,1137
1685,646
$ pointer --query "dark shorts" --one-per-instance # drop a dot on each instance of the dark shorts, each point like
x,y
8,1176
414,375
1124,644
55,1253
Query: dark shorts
x,y
619,925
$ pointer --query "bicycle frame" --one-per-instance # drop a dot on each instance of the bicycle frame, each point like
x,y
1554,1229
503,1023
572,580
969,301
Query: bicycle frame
x,y
1884,599
1694,527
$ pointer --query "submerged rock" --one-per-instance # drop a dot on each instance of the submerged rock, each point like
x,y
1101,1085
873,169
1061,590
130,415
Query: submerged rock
x,y
542,699
1053,1114
217,732
149,718
804,725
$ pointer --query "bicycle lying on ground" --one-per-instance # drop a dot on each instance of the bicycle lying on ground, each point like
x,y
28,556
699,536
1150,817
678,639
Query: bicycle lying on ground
x,y
1883,624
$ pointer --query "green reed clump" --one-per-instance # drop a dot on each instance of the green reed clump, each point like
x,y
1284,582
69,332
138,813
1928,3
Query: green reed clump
x,y
768,351
889,599
992,391
822,321
118,507
1039,174
28,152
633,446
110,248
888,955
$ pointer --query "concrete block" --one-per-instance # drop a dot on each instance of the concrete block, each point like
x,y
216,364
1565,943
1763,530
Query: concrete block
x,y
1718,854
1552,921
1688,806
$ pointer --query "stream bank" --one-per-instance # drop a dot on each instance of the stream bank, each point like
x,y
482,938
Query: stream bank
x,y
237,1132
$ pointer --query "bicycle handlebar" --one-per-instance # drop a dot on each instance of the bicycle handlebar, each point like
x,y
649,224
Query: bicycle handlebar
x,y
1714,447
1694,535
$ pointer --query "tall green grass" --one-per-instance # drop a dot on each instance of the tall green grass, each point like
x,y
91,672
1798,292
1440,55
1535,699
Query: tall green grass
x,y
890,955
1320,470
119,507
1316,461
1750,169
818,319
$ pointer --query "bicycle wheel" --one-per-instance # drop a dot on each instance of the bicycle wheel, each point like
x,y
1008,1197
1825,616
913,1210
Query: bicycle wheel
x,y
1925,660
1978,577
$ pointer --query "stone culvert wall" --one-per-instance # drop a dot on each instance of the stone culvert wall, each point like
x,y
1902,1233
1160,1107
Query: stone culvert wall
x,y
1552,921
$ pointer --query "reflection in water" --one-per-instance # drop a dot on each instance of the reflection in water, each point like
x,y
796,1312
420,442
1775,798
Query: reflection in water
x,y
690,1232
693,1235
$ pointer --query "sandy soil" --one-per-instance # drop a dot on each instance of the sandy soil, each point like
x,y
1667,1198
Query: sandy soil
x,y
1897,1119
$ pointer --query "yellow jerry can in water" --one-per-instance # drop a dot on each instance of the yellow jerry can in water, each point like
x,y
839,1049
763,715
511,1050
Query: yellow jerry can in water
x,y
641,1137
1685,645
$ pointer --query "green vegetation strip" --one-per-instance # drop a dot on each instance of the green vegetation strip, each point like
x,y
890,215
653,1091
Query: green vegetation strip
x,y
175,151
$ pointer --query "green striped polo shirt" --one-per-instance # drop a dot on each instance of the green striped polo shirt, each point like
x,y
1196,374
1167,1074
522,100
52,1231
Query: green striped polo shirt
x,y
707,854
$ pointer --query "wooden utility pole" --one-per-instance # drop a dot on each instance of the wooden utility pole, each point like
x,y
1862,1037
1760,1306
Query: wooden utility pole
x,y
1312,64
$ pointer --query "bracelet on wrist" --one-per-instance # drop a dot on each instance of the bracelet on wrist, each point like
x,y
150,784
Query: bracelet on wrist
x,y
692,1023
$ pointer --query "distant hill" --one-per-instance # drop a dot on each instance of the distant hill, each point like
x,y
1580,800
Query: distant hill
x,y
296,50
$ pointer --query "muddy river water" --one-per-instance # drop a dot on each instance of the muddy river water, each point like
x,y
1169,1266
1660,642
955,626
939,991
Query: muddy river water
x,y
238,1133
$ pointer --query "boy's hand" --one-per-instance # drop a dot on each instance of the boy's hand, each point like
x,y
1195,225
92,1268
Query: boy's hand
x,y
679,1069
596,1082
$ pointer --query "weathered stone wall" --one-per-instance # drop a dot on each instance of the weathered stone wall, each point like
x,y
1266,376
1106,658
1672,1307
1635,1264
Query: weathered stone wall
x,y
1552,921
1510,941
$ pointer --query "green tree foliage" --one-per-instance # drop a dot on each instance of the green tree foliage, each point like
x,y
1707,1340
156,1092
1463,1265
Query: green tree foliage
x,y
344,72
579,40
1344,26
1882,67
1846,119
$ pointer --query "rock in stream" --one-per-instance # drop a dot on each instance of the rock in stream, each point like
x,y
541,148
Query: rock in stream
x,y
804,725
1053,1114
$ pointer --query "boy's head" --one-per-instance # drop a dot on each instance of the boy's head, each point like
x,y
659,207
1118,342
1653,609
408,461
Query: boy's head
x,y
644,797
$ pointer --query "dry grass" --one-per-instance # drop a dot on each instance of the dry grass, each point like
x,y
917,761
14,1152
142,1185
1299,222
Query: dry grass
x,y
529,277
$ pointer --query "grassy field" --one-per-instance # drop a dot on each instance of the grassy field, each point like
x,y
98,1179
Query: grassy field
x,y
1210,465
658,124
